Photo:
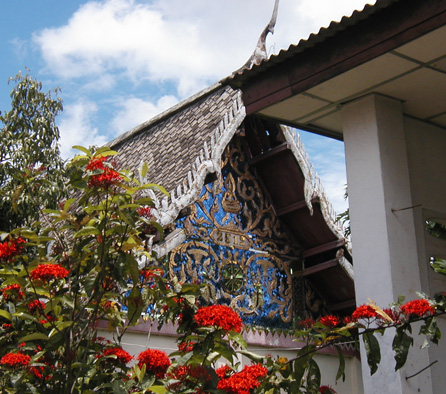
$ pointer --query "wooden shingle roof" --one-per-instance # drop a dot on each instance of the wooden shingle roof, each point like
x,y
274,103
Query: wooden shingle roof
x,y
171,142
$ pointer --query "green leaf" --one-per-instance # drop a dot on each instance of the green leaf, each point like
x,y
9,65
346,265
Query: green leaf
x,y
37,336
373,351
313,376
252,356
144,169
158,389
238,339
431,330
81,148
341,369
5,314
154,186
105,151
88,230
401,344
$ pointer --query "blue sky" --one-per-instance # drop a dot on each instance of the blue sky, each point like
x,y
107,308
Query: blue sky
x,y
120,62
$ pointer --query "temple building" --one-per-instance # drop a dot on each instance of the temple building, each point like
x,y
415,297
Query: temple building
x,y
247,213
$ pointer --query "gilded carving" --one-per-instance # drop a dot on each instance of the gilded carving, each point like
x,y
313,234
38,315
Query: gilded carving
x,y
236,243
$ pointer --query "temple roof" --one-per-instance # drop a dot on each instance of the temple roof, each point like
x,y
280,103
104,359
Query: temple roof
x,y
183,147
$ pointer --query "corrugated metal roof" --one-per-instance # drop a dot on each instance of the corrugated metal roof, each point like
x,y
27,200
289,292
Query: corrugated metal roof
x,y
238,78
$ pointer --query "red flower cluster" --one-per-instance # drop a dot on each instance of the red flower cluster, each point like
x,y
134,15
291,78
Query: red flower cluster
x,y
11,248
105,179
306,323
224,372
15,360
330,321
13,291
187,376
326,390
156,362
186,347
244,381
363,312
48,272
39,372
120,354
220,316
145,212
36,306
151,273
418,308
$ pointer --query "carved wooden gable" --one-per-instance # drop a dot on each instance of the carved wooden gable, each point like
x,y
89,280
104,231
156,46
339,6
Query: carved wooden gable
x,y
237,245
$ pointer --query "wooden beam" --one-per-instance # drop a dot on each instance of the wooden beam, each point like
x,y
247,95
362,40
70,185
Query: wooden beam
x,y
319,267
291,208
283,147
323,248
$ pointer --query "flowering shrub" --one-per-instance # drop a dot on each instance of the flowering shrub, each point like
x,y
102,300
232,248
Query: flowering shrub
x,y
155,361
104,175
15,360
88,263
330,321
243,382
121,355
48,272
12,292
11,248
363,312
418,308
220,316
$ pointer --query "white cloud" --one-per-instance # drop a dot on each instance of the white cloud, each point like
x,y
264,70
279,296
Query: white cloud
x,y
135,111
76,128
193,43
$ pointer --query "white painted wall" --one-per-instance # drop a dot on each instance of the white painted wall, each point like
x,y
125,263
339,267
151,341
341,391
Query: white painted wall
x,y
385,226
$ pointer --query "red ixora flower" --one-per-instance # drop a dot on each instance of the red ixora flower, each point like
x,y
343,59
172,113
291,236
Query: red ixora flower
x,y
48,272
105,179
11,248
36,306
244,381
120,354
151,273
330,321
13,291
220,316
418,308
145,212
326,390
306,323
156,362
187,376
363,312
15,360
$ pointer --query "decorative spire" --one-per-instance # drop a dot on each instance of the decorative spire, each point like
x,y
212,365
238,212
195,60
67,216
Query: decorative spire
x,y
260,53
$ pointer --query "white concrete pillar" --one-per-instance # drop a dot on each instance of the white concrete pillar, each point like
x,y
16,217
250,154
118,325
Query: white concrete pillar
x,y
383,233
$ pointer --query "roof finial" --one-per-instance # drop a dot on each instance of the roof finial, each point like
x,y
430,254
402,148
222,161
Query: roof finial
x,y
259,53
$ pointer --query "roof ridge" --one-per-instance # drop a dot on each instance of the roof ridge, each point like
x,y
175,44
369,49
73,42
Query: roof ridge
x,y
165,114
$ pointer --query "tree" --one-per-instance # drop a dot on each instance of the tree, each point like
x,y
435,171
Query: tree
x,y
30,163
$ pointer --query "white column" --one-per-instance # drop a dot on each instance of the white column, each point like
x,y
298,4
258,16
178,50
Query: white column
x,y
383,233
